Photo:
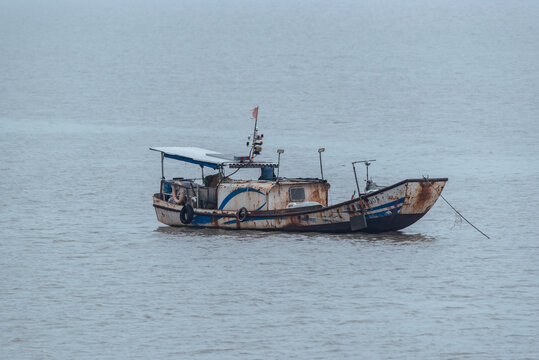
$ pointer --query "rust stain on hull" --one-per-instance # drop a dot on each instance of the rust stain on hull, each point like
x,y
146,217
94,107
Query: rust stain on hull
x,y
422,195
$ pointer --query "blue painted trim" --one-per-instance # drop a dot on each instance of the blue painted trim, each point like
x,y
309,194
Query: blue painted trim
x,y
380,214
201,219
181,158
237,192
393,203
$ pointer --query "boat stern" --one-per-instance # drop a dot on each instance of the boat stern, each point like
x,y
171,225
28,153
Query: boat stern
x,y
167,213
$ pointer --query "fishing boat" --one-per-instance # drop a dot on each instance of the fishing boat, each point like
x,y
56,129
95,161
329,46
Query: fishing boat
x,y
272,202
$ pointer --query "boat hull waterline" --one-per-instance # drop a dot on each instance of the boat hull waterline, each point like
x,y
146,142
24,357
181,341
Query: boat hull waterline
x,y
388,209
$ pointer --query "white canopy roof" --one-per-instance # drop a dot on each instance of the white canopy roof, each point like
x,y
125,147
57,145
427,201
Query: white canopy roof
x,y
195,155
210,158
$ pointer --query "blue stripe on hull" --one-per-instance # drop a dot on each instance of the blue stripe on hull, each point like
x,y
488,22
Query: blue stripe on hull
x,y
201,219
206,219
393,203
237,192
384,213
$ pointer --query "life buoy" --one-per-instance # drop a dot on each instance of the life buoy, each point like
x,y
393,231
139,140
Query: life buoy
x,y
181,199
242,214
186,214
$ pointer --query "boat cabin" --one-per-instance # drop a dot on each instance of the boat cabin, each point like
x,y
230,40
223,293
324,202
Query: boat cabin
x,y
220,192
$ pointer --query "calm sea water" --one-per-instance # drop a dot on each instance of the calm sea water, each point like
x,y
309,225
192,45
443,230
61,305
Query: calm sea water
x,y
424,87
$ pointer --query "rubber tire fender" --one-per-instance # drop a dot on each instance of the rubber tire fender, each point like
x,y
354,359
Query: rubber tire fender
x,y
186,214
242,214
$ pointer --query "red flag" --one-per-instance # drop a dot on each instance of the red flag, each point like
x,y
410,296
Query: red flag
x,y
255,112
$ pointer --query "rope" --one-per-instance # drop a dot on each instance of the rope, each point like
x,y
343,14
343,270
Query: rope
x,y
455,210
225,176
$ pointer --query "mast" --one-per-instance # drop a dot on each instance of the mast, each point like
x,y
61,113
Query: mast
x,y
252,151
256,146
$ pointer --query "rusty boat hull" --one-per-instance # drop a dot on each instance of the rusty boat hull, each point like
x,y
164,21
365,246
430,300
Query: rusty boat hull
x,y
389,208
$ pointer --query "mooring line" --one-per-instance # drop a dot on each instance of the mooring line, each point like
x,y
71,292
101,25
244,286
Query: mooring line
x,y
455,210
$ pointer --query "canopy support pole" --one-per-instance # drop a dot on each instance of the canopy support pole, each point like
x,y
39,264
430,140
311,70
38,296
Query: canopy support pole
x,y
162,167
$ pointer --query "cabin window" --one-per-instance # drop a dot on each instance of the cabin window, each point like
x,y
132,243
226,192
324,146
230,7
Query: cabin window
x,y
297,194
